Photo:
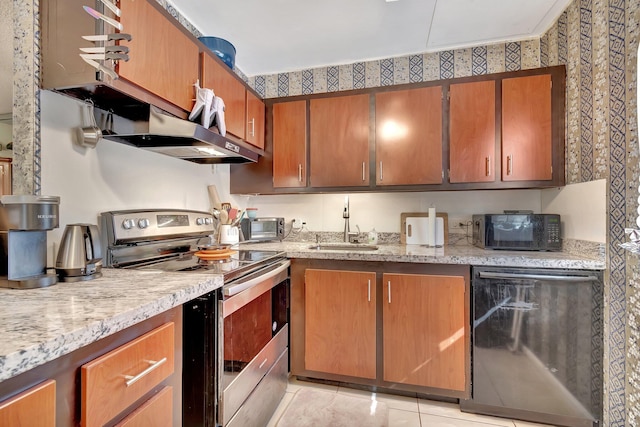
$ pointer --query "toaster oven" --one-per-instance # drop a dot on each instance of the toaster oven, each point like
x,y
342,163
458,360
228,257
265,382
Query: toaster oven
x,y
262,229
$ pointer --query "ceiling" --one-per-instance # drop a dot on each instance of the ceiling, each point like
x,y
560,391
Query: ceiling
x,y
274,36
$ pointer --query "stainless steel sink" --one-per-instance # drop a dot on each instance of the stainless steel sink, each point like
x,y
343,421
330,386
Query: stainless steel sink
x,y
343,247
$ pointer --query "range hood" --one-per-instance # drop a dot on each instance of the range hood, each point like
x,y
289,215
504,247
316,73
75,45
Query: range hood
x,y
162,133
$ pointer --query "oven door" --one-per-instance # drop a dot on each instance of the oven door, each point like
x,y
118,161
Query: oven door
x,y
254,335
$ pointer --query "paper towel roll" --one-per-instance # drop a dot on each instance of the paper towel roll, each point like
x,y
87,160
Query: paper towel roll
x,y
431,234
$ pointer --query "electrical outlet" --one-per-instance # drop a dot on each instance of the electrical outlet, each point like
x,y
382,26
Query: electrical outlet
x,y
296,224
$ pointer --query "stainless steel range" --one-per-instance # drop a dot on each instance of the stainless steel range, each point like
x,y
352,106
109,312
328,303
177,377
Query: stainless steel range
x,y
235,340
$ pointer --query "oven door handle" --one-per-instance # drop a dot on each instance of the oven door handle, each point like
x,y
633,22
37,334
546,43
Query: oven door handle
x,y
238,287
495,275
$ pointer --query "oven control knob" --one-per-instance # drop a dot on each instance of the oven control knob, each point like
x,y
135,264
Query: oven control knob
x,y
199,221
143,223
208,221
127,224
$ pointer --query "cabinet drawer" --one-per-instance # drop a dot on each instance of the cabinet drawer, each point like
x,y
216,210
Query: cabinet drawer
x,y
117,379
35,407
157,412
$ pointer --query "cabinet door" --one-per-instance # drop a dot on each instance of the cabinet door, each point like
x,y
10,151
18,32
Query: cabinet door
x,y
526,128
339,141
409,136
290,144
255,121
215,76
114,381
340,322
35,407
156,412
424,330
472,132
164,60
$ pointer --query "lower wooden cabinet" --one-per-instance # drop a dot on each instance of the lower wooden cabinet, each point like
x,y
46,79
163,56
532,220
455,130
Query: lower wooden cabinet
x,y
389,325
423,323
335,299
116,380
35,407
56,394
156,412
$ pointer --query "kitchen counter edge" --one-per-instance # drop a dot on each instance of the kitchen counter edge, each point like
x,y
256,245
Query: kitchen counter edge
x,y
462,254
40,325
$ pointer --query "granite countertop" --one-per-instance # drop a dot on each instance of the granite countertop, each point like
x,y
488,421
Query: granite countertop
x,y
40,325
453,254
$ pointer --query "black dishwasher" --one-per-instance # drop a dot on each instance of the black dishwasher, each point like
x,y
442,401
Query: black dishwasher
x,y
537,345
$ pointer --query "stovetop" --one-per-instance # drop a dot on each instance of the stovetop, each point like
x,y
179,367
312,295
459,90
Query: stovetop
x,y
240,263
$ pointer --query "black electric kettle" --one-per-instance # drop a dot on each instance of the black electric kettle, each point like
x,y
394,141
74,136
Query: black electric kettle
x,y
80,254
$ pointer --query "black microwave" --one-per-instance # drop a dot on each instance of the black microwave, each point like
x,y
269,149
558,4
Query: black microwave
x,y
262,229
518,231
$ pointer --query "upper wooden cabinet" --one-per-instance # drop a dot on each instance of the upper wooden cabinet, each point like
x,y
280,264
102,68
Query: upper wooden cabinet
x,y
409,136
340,322
339,141
232,92
163,60
244,112
526,128
497,131
290,144
254,133
472,132
424,320
35,407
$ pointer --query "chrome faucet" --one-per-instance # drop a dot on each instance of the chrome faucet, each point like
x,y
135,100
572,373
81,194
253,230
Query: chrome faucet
x,y
349,237
345,215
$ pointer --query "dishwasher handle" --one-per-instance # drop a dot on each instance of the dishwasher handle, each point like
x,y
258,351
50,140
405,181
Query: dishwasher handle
x,y
552,278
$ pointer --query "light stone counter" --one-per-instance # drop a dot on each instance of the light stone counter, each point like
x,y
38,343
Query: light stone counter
x,y
40,325
459,254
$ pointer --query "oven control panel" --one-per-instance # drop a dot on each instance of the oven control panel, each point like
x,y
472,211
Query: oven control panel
x,y
154,224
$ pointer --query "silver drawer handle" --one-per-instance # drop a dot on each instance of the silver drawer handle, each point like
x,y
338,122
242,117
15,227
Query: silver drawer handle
x,y
389,290
363,178
263,363
369,291
154,365
299,172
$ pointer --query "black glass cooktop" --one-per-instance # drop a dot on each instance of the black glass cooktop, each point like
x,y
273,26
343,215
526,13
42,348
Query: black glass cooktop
x,y
239,263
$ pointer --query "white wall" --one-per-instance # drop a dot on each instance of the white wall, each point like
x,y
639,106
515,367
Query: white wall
x,y
112,176
323,212
583,209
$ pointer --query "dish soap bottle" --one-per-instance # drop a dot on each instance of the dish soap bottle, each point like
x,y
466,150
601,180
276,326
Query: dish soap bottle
x,y
373,237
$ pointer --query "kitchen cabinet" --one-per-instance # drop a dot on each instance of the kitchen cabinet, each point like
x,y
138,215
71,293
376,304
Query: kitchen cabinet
x,y
424,321
157,412
255,121
34,407
290,144
116,380
230,89
418,342
121,349
414,138
409,136
340,322
244,113
472,132
527,128
339,141
163,59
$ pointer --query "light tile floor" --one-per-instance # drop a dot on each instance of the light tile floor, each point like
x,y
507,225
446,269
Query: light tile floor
x,y
406,411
